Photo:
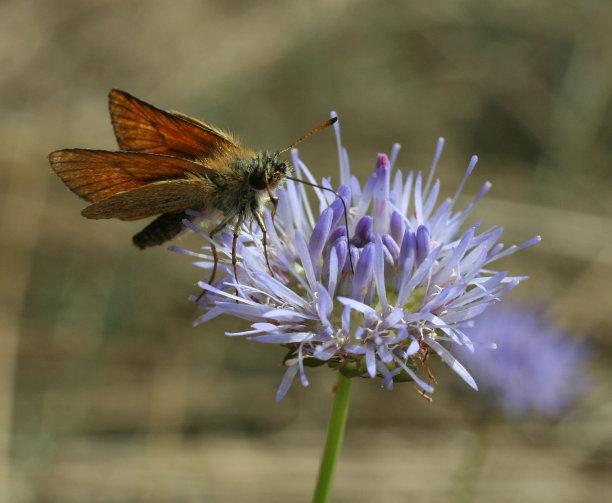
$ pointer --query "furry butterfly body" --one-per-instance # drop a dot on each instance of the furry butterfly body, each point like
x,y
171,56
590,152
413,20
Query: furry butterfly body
x,y
169,163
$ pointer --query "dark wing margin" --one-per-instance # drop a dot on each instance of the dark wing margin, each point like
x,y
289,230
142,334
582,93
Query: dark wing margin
x,y
98,174
141,127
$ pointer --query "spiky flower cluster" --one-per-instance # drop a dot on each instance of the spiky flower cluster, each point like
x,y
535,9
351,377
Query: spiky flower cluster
x,y
375,302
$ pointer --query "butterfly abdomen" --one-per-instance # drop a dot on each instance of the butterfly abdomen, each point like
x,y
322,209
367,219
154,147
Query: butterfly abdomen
x,y
162,229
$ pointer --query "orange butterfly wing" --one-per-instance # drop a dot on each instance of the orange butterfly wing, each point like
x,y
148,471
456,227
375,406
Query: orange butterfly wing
x,y
141,127
153,173
98,174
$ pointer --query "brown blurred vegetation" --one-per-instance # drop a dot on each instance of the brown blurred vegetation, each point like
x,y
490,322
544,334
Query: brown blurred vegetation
x,y
107,392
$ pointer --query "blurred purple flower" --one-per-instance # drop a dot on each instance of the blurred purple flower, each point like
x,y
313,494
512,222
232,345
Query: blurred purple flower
x,y
535,367
416,279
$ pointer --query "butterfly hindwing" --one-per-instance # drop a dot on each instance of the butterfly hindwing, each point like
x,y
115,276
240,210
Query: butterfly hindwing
x,y
152,199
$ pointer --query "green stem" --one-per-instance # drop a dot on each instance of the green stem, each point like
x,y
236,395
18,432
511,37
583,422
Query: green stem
x,y
333,443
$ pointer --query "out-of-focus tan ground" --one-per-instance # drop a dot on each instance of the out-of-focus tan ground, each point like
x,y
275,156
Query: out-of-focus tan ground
x,y
107,392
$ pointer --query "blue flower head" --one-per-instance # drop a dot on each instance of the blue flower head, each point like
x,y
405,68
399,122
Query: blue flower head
x,y
375,302
533,366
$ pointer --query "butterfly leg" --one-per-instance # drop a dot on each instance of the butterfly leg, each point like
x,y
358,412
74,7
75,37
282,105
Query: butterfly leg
x,y
237,228
213,250
274,200
215,255
257,215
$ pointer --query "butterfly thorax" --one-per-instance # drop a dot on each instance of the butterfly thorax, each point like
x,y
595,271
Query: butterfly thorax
x,y
243,179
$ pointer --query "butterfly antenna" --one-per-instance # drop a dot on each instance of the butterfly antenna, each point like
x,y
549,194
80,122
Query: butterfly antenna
x,y
327,123
341,200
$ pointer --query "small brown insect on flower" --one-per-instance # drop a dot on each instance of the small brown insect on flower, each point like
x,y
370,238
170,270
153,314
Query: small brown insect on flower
x,y
169,163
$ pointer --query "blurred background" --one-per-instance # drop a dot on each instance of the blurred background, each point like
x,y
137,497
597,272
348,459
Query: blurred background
x,y
107,391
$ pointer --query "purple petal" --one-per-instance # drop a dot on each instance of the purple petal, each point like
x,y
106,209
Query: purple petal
x,y
332,274
379,273
383,353
363,227
451,361
357,306
467,174
408,248
419,275
338,208
394,153
418,200
303,377
434,164
305,259
286,382
426,387
392,250
320,234
397,226
346,318
363,273
276,289
422,244
286,315
370,358
286,338
325,303
394,317
380,193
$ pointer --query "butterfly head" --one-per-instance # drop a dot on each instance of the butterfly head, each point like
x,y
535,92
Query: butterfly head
x,y
268,171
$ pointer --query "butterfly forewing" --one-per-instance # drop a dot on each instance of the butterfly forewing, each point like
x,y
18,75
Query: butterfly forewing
x,y
141,127
98,174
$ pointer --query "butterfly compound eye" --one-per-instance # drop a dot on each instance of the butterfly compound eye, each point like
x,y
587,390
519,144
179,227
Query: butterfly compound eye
x,y
257,180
